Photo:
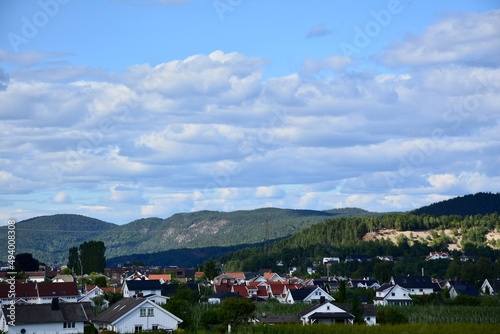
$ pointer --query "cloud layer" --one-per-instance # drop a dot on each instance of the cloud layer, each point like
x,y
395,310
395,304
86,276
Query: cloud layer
x,y
209,132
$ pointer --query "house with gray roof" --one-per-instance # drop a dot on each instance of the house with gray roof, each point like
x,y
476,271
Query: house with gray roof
x,y
307,294
57,317
135,315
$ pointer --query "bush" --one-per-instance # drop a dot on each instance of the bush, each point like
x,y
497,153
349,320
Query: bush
x,y
466,300
391,316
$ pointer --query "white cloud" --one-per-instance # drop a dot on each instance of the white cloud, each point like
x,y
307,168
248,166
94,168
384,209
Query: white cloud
x,y
443,181
465,38
61,198
208,132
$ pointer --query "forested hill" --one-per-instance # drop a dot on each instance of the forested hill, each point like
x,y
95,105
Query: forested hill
x,y
468,205
49,238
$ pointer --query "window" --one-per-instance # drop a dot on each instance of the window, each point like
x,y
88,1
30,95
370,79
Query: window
x,y
393,294
146,312
154,327
138,329
69,325
328,307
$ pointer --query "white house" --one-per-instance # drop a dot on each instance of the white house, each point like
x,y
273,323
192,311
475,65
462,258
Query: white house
x,y
307,294
438,256
40,293
158,299
490,286
325,313
417,285
141,287
134,315
63,279
93,291
331,260
392,295
62,318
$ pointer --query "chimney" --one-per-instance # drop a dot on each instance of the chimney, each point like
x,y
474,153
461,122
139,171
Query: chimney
x,y
55,304
423,271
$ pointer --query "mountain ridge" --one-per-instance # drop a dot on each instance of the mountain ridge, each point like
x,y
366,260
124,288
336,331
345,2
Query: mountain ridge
x,y
48,238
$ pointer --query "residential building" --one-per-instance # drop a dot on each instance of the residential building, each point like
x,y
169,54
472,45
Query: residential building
x,y
392,295
141,288
416,285
457,288
490,286
55,317
438,256
40,293
307,294
135,315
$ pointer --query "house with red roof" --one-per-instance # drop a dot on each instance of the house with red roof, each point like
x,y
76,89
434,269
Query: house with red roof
x,y
40,292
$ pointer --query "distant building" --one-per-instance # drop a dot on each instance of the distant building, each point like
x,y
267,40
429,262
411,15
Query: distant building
x,y
438,256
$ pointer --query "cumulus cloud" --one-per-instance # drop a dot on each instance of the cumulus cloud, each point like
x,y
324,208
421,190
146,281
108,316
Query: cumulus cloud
x,y
61,198
466,38
209,132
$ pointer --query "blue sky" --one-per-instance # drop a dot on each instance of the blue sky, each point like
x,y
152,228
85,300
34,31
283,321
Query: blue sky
x,y
126,109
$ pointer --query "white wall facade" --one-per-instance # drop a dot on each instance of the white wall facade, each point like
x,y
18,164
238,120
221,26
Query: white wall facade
x,y
46,329
160,317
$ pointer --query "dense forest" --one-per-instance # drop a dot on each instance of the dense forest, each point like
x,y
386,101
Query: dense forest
x,y
345,236
468,205
210,234
49,237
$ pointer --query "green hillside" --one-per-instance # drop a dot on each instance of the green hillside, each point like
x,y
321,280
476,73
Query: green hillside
x,y
211,228
48,238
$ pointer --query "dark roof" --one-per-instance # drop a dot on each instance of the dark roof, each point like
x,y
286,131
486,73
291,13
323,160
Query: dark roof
x,y
134,285
331,315
118,309
494,283
42,313
322,282
384,287
415,282
464,288
302,293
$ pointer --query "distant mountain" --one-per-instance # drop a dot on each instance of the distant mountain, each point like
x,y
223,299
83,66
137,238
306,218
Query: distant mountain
x,y
468,205
49,238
